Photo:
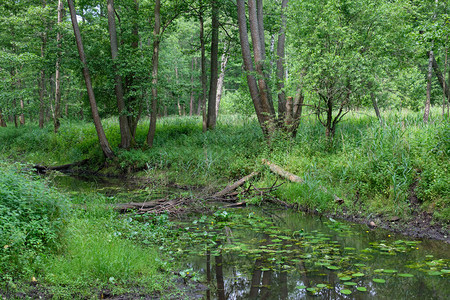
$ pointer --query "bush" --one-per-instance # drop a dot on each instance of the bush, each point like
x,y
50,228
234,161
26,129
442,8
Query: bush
x,y
31,223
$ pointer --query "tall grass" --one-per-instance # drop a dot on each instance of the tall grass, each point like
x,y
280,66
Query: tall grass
x,y
375,168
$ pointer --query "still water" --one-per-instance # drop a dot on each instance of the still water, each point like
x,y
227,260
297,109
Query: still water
x,y
271,253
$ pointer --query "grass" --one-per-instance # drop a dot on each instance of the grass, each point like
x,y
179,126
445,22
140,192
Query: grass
x,y
374,168
71,245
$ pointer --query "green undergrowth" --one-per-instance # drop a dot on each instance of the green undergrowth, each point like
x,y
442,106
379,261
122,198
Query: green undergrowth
x,y
69,246
389,169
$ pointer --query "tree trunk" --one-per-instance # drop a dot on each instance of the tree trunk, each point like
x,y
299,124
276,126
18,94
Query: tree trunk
x,y
56,112
426,113
155,58
259,56
125,134
191,102
211,118
220,81
248,67
42,78
22,115
2,121
219,276
280,64
203,67
444,96
104,144
375,107
440,77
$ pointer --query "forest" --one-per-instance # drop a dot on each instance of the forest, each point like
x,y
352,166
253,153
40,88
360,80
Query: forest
x,y
224,149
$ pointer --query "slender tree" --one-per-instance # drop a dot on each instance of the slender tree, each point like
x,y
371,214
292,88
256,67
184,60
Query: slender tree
x,y
125,134
155,59
56,112
104,144
211,119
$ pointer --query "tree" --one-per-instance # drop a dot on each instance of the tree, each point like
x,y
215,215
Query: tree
x,y
212,115
104,144
56,112
125,133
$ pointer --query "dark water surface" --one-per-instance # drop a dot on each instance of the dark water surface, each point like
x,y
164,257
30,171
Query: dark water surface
x,y
270,253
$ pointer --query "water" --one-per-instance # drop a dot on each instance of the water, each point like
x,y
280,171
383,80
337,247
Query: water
x,y
270,253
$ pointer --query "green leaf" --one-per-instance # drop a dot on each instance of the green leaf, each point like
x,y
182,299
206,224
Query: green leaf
x,y
349,283
321,285
358,274
346,292
405,275
390,271
345,278
378,280
301,287
361,289
332,267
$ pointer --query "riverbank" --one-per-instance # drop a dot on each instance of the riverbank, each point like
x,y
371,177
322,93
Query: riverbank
x,y
398,171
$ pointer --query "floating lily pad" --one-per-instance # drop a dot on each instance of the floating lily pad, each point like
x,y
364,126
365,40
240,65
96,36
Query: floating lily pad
x,y
445,271
312,290
361,289
332,267
349,283
390,271
321,285
301,287
359,265
345,278
379,280
405,275
346,292
357,274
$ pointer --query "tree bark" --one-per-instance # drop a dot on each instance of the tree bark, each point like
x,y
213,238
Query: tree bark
x,y
191,101
280,64
444,95
104,144
2,121
155,60
259,56
56,112
203,68
375,107
426,113
220,81
42,78
248,67
212,115
125,134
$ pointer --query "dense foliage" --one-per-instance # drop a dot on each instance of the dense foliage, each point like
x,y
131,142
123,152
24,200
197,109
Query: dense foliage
x,y
32,219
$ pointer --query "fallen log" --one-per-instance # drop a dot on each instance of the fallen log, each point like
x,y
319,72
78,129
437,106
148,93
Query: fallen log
x,y
294,178
234,186
285,174
62,168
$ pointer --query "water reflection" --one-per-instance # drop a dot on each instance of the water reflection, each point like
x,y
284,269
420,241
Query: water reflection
x,y
256,264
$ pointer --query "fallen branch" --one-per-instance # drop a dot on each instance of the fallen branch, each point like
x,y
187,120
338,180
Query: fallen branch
x,y
285,174
234,186
62,168
294,178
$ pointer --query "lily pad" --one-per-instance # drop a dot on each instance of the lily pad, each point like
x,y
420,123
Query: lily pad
x,y
405,275
346,292
361,289
379,280
349,283
345,278
301,287
321,285
358,274
333,268
390,271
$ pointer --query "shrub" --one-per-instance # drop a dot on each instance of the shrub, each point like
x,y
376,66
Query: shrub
x,y
31,223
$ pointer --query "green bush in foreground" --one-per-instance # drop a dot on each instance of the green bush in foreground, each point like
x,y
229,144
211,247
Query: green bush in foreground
x,y
32,218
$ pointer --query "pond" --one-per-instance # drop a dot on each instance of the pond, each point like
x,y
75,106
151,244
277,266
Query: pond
x,y
272,253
